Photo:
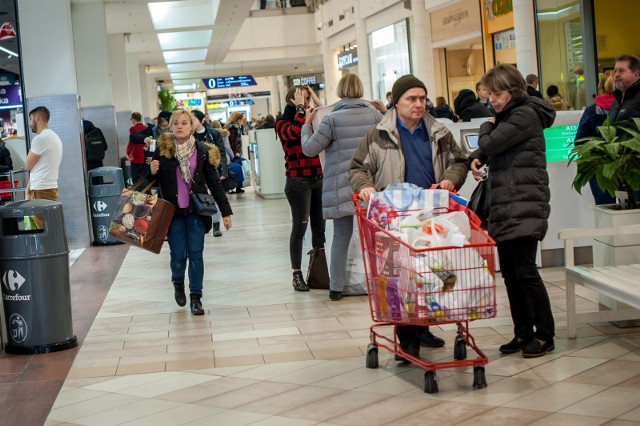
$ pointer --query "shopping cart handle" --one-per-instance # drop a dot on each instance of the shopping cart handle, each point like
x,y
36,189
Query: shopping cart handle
x,y
359,204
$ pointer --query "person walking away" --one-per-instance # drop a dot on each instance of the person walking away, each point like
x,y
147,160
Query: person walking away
x,y
209,136
532,86
44,158
467,107
513,146
182,165
338,135
556,100
408,145
593,117
303,186
95,145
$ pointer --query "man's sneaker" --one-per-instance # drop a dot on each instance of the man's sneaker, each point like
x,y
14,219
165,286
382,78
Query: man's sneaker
x,y
429,340
298,282
412,350
536,349
515,345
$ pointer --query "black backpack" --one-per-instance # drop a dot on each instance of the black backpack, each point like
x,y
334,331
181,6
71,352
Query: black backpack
x,y
95,145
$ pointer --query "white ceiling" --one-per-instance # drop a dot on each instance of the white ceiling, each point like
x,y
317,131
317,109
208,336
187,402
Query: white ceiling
x,y
209,32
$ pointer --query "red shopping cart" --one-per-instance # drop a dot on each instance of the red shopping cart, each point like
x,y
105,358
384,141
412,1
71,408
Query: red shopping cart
x,y
427,286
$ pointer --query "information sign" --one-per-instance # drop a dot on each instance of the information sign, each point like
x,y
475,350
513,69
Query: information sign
x,y
559,141
229,81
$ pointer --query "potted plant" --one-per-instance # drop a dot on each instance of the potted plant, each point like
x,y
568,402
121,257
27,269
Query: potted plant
x,y
613,158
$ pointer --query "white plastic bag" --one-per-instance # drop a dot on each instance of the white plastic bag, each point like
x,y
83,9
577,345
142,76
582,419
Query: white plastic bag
x,y
355,280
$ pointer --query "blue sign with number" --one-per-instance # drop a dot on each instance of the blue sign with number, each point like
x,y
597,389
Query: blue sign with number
x,y
229,81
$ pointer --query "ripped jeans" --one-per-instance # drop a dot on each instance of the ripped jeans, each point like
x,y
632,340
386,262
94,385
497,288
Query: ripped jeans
x,y
305,200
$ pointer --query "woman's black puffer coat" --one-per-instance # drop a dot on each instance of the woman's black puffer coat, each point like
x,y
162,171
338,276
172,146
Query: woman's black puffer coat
x,y
514,149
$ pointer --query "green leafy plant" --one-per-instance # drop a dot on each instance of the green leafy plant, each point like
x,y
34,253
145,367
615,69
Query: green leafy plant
x,y
613,157
166,100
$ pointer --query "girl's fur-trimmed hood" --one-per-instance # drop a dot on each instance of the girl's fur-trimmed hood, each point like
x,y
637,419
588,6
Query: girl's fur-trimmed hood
x,y
168,149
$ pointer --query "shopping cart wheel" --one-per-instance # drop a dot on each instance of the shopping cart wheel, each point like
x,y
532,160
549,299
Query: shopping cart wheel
x,y
430,382
479,379
460,349
372,355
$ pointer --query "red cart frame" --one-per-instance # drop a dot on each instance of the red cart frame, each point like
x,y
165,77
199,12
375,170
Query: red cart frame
x,y
427,286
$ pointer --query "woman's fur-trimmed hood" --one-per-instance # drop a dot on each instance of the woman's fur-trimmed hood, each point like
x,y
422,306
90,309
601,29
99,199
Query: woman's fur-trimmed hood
x,y
168,149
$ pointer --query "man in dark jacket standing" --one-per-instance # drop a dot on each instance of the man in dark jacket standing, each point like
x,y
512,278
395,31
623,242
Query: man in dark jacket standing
x,y
626,76
532,86
467,106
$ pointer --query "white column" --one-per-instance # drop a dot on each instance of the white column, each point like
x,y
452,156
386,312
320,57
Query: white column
x,y
135,92
421,51
364,62
148,93
118,71
274,100
90,43
331,72
525,31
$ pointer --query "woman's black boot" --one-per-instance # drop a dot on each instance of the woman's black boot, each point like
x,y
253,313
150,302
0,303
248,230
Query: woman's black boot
x,y
196,305
181,298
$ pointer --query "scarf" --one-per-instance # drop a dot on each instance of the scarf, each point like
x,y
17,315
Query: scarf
x,y
183,152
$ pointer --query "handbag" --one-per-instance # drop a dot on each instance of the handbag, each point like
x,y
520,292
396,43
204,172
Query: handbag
x,y
142,219
203,204
318,273
480,202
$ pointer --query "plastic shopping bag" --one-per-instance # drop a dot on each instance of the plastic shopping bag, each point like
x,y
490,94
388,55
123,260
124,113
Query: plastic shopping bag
x,y
355,280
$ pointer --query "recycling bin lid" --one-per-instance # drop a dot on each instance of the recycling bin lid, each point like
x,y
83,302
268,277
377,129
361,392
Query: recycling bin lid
x,y
105,181
32,228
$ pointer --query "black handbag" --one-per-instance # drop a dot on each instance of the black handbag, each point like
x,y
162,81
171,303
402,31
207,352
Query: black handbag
x,y
318,273
203,204
480,202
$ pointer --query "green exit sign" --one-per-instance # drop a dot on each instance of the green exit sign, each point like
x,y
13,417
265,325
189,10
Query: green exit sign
x,y
559,141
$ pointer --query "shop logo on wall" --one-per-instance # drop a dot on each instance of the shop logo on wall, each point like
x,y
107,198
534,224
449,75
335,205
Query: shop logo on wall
x,y
7,31
495,8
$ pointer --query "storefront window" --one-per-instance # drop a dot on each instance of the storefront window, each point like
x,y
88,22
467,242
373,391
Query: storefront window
x,y
389,53
615,31
11,120
560,43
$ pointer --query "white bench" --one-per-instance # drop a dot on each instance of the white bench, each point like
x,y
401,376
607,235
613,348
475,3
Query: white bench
x,y
620,282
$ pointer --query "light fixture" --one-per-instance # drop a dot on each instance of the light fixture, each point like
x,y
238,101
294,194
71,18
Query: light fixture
x,y
9,51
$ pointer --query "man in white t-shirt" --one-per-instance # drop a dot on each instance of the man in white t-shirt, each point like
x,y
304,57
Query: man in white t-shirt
x,y
43,160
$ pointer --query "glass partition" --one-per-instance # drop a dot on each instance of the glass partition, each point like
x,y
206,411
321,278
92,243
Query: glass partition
x,y
389,54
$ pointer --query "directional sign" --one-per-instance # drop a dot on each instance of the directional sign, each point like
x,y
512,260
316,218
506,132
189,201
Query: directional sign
x,y
559,141
229,81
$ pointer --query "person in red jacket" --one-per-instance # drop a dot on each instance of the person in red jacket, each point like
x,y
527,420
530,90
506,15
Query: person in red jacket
x,y
303,186
135,152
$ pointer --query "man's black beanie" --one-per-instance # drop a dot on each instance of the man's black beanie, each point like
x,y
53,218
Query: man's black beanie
x,y
403,84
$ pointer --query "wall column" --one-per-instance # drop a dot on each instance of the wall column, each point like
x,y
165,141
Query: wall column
x,y
49,79
525,31
364,62
421,50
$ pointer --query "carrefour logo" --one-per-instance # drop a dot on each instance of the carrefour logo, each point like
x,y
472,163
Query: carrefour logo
x,y
12,280
99,206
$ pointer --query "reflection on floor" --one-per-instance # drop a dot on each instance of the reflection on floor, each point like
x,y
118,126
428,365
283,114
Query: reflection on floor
x,y
266,355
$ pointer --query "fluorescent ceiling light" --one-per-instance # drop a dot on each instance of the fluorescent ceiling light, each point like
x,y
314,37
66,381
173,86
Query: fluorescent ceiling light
x,y
559,12
185,87
184,39
9,51
189,66
173,56
183,14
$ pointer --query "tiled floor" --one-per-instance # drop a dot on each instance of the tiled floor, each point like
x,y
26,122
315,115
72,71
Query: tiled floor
x,y
265,355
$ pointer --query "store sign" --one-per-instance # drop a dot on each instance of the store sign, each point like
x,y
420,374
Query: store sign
x,y
501,7
457,20
193,102
10,96
348,59
229,81
231,103
559,142
304,81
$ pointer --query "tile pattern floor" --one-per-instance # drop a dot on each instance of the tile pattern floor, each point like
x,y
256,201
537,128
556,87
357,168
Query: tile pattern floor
x,y
266,355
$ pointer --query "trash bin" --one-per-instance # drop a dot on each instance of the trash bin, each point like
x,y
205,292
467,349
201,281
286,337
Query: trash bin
x,y
105,187
34,271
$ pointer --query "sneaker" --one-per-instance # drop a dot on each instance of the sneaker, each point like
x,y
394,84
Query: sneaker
x,y
412,350
536,348
335,295
298,282
515,345
429,340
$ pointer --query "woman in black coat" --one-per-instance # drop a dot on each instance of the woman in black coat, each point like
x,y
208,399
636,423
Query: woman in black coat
x,y
468,107
179,166
512,145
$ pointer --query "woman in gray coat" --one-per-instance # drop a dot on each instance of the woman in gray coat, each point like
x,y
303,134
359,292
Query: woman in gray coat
x,y
338,135
513,146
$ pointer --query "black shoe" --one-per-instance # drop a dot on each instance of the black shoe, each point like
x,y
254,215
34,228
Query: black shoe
x,y
412,350
335,295
536,349
178,293
216,229
298,282
239,190
515,345
196,305
429,340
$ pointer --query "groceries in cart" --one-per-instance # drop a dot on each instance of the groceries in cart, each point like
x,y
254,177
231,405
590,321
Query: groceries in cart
x,y
424,265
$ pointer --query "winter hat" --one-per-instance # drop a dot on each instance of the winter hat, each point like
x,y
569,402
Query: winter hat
x,y
199,114
165,114
403,84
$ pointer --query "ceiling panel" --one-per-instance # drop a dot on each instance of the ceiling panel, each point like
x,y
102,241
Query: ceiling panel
x,y
184,39
183,14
